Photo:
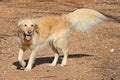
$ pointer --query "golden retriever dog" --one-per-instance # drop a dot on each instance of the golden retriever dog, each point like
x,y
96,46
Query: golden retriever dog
x,y
53,30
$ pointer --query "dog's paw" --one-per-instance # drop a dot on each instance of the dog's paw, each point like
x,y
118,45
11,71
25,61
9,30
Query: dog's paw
x,y
52,64
27,69
63,64
23,64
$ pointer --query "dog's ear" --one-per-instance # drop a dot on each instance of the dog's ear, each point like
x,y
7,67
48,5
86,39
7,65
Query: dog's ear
x,y
36,28
36,25
19,24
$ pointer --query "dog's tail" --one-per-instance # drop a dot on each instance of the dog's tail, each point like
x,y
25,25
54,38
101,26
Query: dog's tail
x,y
84,19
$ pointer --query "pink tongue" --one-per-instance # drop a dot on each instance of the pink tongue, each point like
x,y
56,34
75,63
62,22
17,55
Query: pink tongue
x,y
28,37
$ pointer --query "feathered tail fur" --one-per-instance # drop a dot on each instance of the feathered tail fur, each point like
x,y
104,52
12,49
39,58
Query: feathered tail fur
x,y
84,19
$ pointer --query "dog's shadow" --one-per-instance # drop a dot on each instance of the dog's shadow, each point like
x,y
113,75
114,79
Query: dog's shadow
x,y
43,60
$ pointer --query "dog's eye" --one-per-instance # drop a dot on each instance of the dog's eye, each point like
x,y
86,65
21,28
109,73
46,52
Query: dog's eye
x,y
25,25
32,25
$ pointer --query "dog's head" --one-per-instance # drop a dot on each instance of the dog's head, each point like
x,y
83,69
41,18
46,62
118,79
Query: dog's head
x,y
27,27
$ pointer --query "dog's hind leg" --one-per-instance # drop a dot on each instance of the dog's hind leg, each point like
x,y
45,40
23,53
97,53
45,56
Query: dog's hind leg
x,y
54,62
64,61
62,44
20,58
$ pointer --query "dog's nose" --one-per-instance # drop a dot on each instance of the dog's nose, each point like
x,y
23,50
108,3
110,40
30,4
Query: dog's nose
x,y
29,32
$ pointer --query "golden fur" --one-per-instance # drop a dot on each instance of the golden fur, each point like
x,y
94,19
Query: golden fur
x,y
53,30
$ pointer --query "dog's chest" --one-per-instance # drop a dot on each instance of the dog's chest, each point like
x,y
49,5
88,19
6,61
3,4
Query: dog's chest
x,y
26,44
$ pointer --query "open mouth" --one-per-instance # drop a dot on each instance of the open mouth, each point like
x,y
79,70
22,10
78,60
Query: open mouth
x,y
28,37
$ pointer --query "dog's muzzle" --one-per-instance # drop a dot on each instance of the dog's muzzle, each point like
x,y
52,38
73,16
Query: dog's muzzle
x,y
28,35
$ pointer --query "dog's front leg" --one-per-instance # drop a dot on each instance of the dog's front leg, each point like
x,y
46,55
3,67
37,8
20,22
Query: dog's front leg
x,y
31,60
20,58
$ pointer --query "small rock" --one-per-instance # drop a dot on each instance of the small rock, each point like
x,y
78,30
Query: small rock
x,y
112,50
106,47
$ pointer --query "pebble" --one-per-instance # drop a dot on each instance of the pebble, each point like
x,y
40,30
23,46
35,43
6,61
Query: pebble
x,y
112,50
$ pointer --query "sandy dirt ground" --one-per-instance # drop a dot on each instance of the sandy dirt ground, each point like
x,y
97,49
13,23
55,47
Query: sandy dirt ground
x,y
92,56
